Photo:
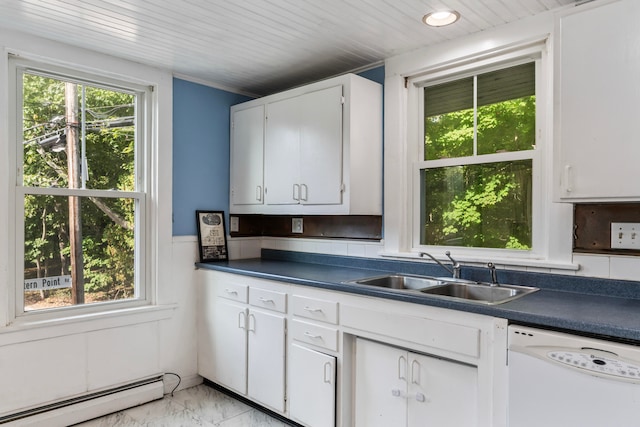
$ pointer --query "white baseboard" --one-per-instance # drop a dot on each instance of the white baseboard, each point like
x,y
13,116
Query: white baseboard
x,y
95,407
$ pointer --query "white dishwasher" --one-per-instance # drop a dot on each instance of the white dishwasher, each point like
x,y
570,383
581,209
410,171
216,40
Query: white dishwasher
x,y
557,379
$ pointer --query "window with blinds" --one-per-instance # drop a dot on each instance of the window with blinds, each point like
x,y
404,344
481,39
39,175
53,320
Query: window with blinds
x,y
477,163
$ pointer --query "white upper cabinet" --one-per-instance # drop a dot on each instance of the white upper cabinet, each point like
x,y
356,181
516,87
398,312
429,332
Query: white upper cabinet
x,y
304,149
247,151
322,150
598,83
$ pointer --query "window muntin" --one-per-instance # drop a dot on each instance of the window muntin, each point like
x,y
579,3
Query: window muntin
x,y
80,192
476,175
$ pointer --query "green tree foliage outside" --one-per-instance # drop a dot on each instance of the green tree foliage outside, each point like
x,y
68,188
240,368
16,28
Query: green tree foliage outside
x,y
107,223
479,205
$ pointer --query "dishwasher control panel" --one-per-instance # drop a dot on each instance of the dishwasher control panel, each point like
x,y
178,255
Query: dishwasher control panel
x,y
591,356
595,362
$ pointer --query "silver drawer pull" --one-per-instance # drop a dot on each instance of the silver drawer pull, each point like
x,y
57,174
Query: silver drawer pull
x,y
312,310
312,336
231,291
267,300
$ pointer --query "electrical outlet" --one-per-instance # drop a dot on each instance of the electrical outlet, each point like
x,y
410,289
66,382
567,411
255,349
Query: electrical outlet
x,y
296,225
625,235
235,224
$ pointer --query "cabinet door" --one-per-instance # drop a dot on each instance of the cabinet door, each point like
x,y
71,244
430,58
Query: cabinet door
x,y
282,152
321,147
206,335
230,345
266,364
247,151
381,385
441,392
599,98
312,388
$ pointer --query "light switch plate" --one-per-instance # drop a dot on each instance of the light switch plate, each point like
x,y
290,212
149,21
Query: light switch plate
x,y
625,235
296,225
234,227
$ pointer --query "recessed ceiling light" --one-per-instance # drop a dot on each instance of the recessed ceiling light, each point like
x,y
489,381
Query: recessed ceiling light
x,y
441,18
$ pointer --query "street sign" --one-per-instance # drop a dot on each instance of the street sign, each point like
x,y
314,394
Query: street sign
x,y
45,283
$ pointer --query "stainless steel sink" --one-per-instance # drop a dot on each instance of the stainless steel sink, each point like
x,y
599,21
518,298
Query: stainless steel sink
x,y
400,281
482,293
446,287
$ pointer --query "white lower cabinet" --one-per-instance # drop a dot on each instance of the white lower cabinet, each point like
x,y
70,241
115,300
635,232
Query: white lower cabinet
x,y
396,387
249,352
331,359
266,358
312,387
229,343
242,340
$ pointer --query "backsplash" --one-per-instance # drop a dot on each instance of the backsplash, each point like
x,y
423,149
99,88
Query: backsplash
x,y
361,227
592,226
618,267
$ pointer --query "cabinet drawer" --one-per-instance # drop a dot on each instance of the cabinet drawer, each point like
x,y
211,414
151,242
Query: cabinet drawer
x,y
233,291
271,300
316,309
310,333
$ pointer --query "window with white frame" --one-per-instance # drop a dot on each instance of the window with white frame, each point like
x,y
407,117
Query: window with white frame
x,y
81,151
474,181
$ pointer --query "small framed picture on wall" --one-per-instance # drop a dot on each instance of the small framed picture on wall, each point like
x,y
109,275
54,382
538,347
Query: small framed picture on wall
x,y
212,236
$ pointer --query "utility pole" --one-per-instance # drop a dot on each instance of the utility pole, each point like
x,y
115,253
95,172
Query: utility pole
x,y
74,178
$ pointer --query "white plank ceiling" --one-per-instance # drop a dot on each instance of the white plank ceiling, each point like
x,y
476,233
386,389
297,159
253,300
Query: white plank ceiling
x,y
257,46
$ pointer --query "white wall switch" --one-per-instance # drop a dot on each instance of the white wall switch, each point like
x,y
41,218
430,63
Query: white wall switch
x,y
296,225
234,227
625,235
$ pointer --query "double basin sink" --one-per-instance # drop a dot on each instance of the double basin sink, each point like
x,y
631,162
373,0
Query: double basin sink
x,y
447,287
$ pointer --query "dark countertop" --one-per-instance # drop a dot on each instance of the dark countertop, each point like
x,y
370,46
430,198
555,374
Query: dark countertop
x,y
550,307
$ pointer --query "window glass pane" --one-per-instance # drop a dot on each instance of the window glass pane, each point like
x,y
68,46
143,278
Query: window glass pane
x,y
102,268
507,110
63,150
448,128
483,205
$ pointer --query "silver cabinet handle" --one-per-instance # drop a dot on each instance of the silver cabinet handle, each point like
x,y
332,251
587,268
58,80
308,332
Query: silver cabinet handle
x,y
242,320
304,190
312,310
252,325
296,192
231,291
402,363
259,193
415,364
567,179
328,373
266,300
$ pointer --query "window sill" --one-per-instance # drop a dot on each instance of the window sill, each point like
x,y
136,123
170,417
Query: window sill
x,y
30,329
516,264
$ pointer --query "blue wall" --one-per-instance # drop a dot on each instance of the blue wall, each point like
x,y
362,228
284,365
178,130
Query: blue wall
x,y
200,152
375,74
201,149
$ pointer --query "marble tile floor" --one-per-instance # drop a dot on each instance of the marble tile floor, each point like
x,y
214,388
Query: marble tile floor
x,y
195,406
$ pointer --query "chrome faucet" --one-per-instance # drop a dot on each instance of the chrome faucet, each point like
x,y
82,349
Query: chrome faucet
x,y
494,276
455,265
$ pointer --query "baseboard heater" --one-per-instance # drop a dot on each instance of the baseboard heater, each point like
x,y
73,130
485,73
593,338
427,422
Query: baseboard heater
x,y
88,406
